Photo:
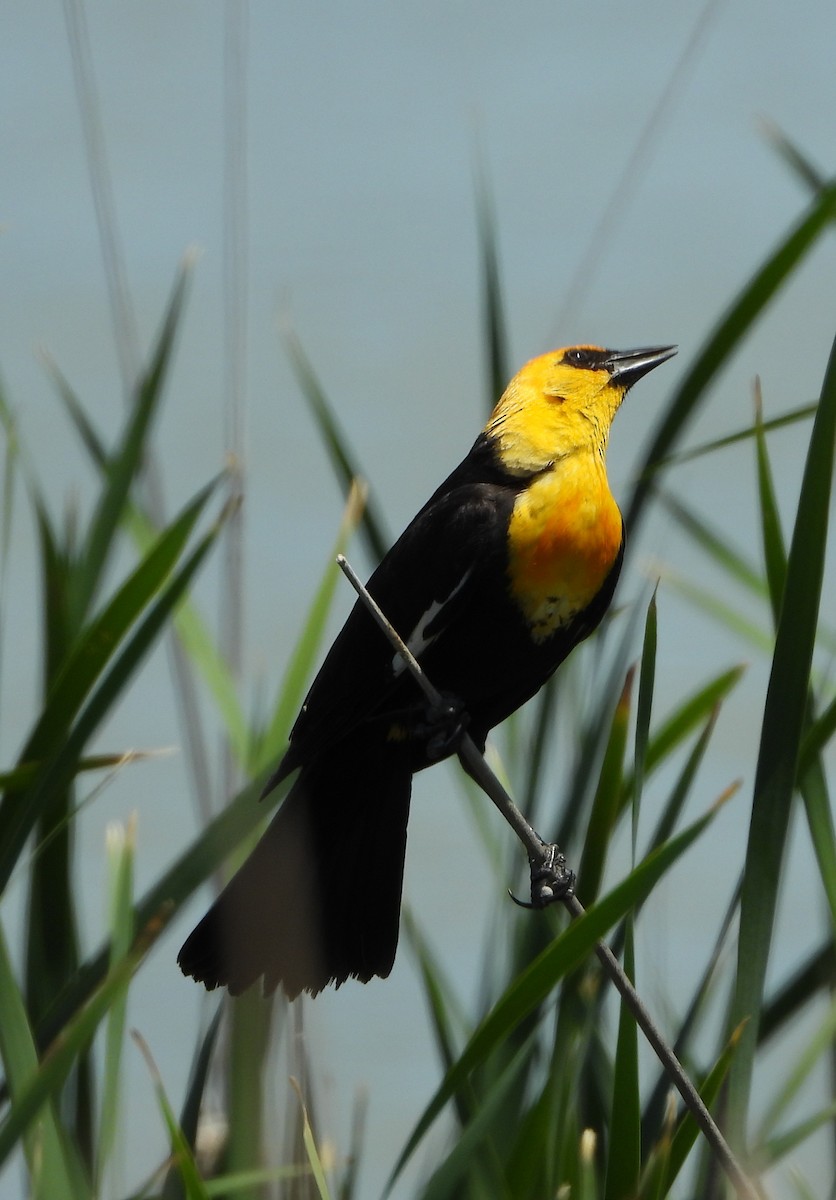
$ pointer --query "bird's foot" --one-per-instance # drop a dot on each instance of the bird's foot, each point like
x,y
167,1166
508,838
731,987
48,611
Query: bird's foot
x,y
550,880
443,727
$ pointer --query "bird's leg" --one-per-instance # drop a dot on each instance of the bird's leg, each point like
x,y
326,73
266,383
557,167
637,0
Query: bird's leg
x,y
444,725
550,879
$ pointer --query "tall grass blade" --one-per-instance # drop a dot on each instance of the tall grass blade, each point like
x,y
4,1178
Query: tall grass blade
x,y
43,1081
624,1153
458,1167
803,413
50,1157
120,853
198,644
345,466
497,359
125,463
605,805
747,306
530,988
781,733
18,815
190,1112
181,1152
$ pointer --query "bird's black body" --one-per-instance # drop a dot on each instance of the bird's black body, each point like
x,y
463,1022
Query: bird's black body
x,y
319,898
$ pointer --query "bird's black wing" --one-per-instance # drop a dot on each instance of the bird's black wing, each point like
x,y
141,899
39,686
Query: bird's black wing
x,y
432,576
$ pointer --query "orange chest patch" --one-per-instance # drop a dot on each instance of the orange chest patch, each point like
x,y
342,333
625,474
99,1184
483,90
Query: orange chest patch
x,y
563,539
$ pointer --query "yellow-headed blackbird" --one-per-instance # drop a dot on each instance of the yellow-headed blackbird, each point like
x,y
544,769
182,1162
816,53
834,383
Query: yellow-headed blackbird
x,y
509,564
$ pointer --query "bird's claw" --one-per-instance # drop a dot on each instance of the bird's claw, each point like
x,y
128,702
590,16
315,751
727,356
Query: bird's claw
x,y
445,726
550,880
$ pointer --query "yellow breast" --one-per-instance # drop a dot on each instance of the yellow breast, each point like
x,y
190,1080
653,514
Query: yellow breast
x,y
563,539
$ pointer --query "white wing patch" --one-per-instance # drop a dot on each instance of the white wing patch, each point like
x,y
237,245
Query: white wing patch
x,y
418,641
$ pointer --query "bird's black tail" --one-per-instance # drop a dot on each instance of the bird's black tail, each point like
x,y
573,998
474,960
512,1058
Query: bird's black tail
x,y
319,898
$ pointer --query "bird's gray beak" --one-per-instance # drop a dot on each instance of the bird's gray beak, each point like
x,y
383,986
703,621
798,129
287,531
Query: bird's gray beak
x,y
627,366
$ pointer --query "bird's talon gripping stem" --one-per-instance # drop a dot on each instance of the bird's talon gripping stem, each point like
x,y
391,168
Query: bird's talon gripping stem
x,y
550,880
446,724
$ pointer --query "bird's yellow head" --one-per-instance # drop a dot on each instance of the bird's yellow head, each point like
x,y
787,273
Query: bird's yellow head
x,y
564,402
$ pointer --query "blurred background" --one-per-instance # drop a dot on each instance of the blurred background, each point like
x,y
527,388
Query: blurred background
x,y
324,161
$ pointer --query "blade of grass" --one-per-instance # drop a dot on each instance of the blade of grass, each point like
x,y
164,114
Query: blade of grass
x,y
605,805
533,985
19,818
199,645
190,1112
125,463
741,315
792,417
448,1180
49,1154
493,313
804,1063
345,466
43,1081
782,729
715,546
317,1170
120,853
624,1141
97,645
693,712
180,1149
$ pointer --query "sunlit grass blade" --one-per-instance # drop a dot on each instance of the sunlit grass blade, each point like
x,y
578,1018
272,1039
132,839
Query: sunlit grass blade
x,y
782,728
17,818
741,315
531,987
125,463
311,1149
181,1152
49,1154
21,777
346,467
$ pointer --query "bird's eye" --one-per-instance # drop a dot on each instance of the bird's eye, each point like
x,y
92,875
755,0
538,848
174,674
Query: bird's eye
x,y
578,358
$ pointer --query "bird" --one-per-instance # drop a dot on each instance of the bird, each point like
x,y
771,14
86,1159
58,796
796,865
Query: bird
x,y
510,564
